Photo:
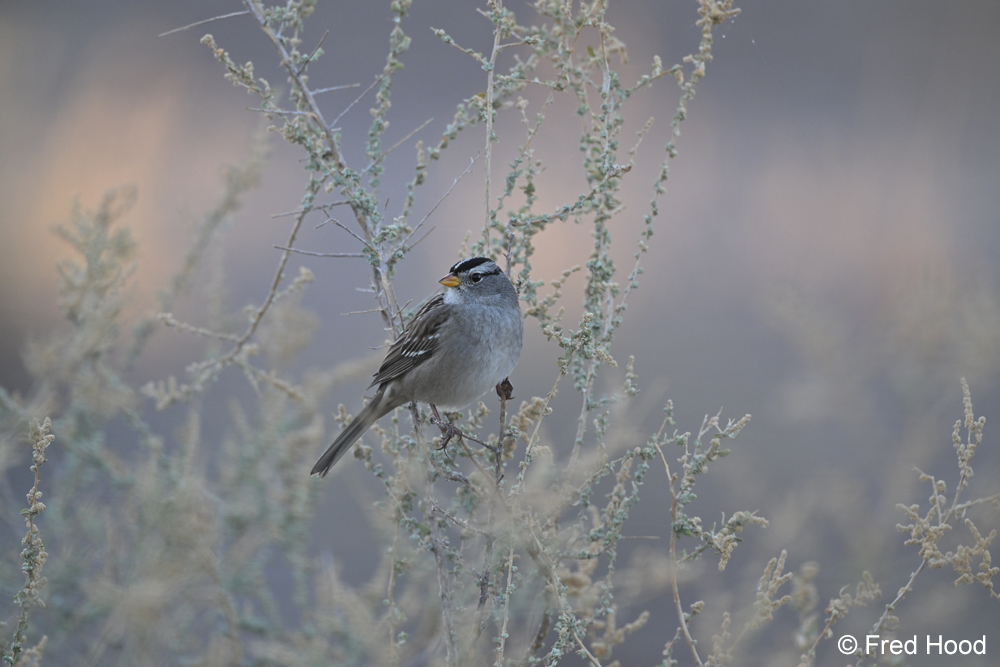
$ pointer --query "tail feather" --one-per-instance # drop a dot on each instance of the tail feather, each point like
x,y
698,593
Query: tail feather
x,y
361,423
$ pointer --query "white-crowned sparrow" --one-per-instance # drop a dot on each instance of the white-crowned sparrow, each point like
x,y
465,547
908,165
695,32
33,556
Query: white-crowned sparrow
x,y
458,346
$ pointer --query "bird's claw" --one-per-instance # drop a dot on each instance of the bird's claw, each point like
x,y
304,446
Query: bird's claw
x,y
448,430
505,390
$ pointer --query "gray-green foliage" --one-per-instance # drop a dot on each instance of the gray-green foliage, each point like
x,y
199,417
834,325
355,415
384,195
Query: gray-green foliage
x,y
159,558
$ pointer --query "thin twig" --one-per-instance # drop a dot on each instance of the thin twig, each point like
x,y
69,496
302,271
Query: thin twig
x,y
399,143
538,423
305,63
203,22
461,523
472,161
510,44
506,602
455,476
363,312
489,122
972,503
331,89
322,208
280,112
320,254
426,234
391,603
363,242
437,548
674,564
359,97
503,392
168,320
540,634
590,656
581,420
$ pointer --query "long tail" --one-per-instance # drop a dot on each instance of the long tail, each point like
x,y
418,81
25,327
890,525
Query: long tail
x,y
361,423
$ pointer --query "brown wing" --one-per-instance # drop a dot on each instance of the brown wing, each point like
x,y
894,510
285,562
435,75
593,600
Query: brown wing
x,y
416,344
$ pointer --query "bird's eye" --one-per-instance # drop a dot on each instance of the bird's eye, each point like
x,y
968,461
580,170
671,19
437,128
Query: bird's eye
x,y
476,277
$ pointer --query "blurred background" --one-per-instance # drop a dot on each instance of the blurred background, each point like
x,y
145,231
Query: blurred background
x,y
825,258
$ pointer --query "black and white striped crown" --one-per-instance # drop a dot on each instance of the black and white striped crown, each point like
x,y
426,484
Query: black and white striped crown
x,y
467,265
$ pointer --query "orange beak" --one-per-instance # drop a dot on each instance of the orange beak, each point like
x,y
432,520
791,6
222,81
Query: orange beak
x,y
450,280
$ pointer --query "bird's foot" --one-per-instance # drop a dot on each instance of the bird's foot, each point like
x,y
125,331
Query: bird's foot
x,y
448,430
505,390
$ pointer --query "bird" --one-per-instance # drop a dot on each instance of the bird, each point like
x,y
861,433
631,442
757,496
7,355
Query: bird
x,y
461,343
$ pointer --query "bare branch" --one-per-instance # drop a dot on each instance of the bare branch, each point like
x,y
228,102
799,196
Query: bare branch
x,y
320,254
399,143
331,89
203,22
472,161
312,55
359,97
